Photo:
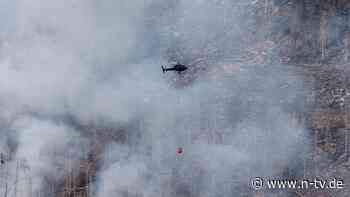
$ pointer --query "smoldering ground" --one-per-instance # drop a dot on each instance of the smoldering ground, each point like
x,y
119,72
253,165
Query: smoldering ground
x,y
98,62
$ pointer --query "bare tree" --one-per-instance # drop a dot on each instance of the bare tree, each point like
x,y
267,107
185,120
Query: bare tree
x,y
323,34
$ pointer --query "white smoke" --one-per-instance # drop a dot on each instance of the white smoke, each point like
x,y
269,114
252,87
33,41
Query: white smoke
x,y
40,146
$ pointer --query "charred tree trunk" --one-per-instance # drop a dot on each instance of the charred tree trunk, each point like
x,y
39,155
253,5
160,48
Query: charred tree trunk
x,y
297,25
347,45
268,16
323,34
347,136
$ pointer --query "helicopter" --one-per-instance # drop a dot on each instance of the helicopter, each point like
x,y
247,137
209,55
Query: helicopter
x,y
177,67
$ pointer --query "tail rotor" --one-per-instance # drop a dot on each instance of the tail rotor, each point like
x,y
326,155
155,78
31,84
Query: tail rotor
x,y
164,70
